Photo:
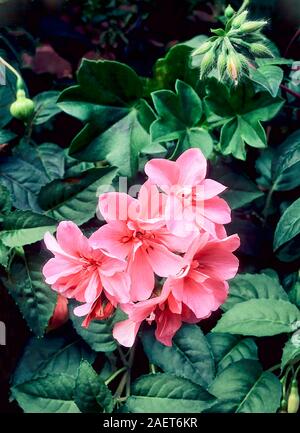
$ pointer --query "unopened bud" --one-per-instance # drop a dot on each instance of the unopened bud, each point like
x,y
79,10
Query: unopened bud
x,y
252,26
293,401
23,107
207,63
233,66
229,12
221,64
260,50
203,48
239,20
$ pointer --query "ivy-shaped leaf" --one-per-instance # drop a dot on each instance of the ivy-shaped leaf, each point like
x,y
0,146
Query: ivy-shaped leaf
x,y
241,112
108,99
176,122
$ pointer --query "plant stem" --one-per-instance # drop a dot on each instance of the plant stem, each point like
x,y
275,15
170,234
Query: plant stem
x,y
11,68
290,91
275,367
114,375
295,36
265,211
152,368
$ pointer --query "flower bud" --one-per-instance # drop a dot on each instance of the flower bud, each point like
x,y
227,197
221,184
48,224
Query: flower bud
x,y
252,26
293,401
207,63
239,20
229,12
233,66
260,50
221,64
203,48
23,107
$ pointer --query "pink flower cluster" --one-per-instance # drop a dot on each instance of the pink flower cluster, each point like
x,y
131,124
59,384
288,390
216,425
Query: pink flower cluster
x,y
164,257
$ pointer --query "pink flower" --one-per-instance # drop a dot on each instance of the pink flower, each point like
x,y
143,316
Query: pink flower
x,y
88,274
202,283
192,201
136,231
162,309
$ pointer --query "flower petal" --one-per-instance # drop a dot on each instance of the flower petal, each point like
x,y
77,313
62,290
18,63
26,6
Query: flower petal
x,y
125,332
192,165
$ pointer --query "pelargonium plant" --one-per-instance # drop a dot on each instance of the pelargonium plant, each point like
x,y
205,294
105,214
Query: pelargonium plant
x,y
155,258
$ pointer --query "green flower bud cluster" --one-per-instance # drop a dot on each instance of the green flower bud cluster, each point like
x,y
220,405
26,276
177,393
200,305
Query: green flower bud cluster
x,y
233,49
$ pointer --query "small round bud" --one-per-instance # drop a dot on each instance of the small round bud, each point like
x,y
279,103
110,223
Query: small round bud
x,y
239,20
23,107
229,12
252,26
293,400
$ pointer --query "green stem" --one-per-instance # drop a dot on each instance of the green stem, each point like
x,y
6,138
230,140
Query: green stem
x,y
275,367
11,68
244,6
152,368
114,375
265,211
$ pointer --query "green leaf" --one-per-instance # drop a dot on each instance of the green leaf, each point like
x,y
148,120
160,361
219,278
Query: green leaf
x,y
189,356
240,190
269,77
99,333
286,164
291,351
241,112
260,318
108,99
175,122
75,199
6,136
254,286
91,394
51,355
30,168
164,393
49,394
288,229
5,200
174,66
228,349
45,106
4,255
244,387
21,228
35,299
